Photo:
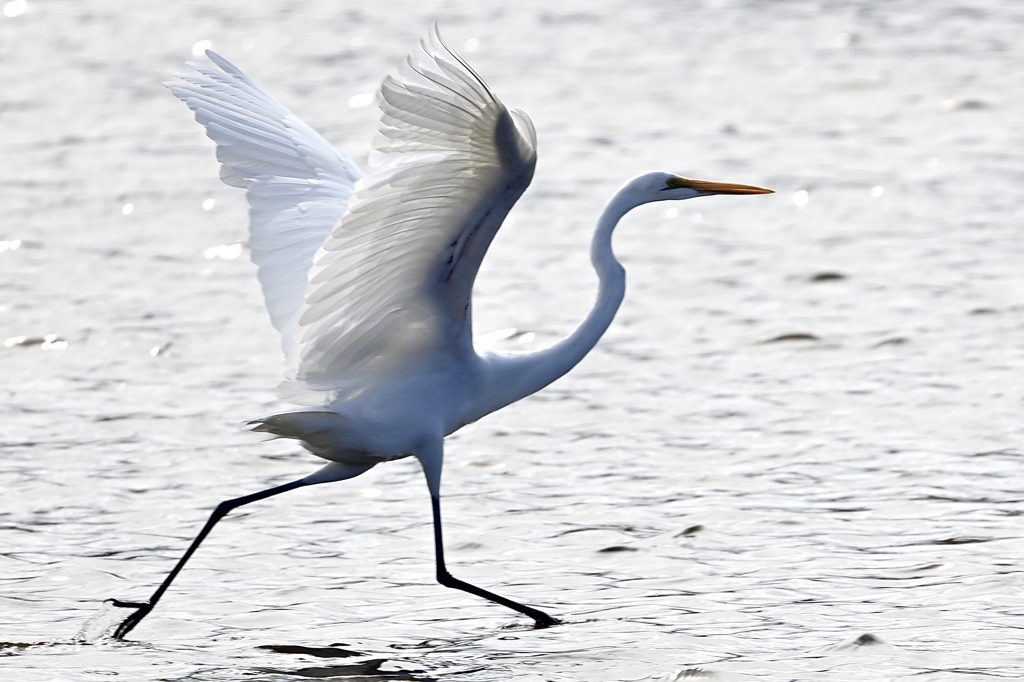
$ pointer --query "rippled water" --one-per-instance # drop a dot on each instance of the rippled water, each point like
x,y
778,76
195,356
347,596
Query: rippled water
x,y
796,455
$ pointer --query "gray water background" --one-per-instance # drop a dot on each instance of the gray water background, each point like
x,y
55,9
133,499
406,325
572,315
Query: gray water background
x,y
795,456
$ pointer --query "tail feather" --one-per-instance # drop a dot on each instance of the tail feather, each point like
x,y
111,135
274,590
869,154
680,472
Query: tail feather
x,y
319,431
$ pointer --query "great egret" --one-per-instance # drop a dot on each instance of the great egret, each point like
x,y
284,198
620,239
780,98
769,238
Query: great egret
x,y
369,280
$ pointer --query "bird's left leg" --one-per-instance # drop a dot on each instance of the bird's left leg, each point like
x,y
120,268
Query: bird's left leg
x,y
431,457
540,619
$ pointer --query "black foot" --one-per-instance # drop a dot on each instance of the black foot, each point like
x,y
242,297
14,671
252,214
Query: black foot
x,y
541,620
142,610
545,622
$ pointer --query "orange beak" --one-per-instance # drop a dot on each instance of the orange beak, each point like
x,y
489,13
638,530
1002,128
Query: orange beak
x,y
705,187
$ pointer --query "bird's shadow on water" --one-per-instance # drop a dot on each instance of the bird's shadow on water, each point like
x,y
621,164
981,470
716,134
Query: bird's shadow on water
x,y
407,667
368,669
278,662
422,661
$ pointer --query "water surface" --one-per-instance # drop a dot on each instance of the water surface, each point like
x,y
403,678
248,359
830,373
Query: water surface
x,y
795,456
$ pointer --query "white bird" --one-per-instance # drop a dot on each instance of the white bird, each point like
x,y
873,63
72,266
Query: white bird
x,y
369,280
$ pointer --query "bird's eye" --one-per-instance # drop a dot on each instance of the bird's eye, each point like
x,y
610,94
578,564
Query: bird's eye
x,y
676,182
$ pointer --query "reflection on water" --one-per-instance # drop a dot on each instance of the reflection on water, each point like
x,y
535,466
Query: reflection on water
x,y
795,456
15,8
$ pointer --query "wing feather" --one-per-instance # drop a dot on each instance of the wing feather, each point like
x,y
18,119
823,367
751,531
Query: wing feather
x,y
393,280
296,183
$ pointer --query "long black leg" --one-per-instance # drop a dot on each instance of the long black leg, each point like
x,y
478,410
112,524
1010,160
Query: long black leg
x,y
541,619
142,609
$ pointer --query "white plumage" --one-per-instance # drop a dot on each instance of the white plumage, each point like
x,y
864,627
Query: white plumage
x,y
369,281
393,279
296,183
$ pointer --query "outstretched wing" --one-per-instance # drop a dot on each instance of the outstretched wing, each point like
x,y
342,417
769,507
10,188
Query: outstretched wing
x,y
394,279
296,183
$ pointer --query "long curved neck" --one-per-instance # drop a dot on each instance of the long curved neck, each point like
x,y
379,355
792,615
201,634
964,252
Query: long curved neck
x,y
515,376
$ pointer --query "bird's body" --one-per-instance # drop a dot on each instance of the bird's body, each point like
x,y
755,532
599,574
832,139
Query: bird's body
x,y
369,280
389,420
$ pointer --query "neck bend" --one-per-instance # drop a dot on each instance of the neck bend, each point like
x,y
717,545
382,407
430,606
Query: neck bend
x,y
515,376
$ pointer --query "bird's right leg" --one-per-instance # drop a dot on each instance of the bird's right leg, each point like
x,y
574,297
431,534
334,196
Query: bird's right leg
x,y
334,471
142,609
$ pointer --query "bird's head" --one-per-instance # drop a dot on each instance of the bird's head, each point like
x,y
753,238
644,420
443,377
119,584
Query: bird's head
x,y
662,186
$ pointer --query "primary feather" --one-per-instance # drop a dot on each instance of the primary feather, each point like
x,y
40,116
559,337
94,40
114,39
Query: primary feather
x,y
297,185
393,279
